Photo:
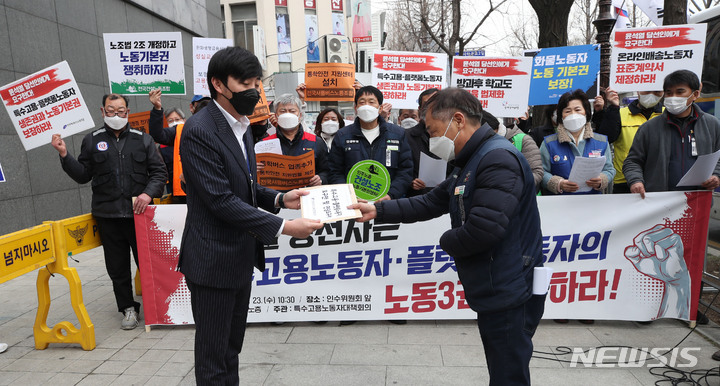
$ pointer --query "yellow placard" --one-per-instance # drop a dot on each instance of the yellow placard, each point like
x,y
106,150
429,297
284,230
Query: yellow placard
x,y
286,172
25,250
80,233
329,82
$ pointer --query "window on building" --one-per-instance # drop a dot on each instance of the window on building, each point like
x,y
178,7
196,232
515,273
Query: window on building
x,y
244,17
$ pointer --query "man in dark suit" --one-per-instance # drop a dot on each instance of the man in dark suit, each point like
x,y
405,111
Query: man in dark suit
x,y
224,230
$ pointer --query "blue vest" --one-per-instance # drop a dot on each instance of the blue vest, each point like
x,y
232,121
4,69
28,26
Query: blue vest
x,y
562,156
501,279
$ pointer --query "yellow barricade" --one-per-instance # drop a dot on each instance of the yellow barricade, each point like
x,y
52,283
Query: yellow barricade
x,y
71,236
26,250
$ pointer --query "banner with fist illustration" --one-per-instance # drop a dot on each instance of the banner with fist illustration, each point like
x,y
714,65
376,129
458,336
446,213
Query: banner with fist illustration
x,y
615,257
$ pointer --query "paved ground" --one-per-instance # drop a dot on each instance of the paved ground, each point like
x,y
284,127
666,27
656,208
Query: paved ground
x,y
366,353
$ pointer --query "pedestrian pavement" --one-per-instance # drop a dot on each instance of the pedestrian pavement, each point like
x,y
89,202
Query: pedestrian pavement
x,y
365,353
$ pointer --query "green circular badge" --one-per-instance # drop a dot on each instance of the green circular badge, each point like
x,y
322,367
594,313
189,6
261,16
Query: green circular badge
x,y
370,179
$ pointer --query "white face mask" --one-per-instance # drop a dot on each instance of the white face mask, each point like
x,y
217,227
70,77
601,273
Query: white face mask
x,y
367,113
330,127
648,100
443,146
115,123
408,123
175,123
676,105
288,121
574,122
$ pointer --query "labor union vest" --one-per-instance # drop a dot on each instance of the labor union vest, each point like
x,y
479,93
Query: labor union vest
x,y
562,156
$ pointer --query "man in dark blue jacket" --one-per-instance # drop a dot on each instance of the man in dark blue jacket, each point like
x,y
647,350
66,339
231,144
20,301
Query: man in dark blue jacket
x,y
495,237
371,137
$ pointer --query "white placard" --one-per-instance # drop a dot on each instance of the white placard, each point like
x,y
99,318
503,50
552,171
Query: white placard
x,y
45,103
140,62
642,57
501,84
329,203
203,50
269,146
432,171
585,168
701,170
402,76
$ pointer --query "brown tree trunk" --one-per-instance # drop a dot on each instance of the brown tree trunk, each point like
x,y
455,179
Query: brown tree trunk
x,y
675,12
553,21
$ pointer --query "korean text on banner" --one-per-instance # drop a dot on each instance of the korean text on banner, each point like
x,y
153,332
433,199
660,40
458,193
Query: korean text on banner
x,y
501,84
141,121
329,82
203,50
558,70
286,172
402,76
262,110
643,266
140,62
642,57
45,103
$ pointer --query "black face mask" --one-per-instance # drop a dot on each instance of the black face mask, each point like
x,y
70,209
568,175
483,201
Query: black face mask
x,y
244,101
258,130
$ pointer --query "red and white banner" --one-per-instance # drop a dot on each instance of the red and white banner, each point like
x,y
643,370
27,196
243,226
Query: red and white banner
x,y
45,103
615,257
402,76
501,84
642,57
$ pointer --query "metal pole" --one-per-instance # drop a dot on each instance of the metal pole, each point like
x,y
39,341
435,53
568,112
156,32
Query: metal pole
x,y
604,24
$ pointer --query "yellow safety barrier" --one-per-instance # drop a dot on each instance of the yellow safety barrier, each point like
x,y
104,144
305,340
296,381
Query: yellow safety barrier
x,y
26,250
71,236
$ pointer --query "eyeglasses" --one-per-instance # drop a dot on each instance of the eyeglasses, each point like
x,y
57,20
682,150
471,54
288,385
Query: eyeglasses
x,y
120,113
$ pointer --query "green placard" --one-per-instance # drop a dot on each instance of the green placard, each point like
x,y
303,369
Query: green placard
x,y
370,179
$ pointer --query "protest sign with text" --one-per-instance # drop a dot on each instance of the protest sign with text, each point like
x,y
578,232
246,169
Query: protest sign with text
x,y
141,121
642,57
402,76
616,267
558,70
501,84
329,82
140,62
262,109
45,103
203,50
286,172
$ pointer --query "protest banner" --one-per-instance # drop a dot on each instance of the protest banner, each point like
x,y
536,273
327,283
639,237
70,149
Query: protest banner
x,y
643,266
501,84
642,57
262,109
203,50
286,172
402,76
141,121
140,62
45,103
558,70
329,82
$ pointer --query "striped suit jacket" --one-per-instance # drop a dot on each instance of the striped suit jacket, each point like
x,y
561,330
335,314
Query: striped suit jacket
x,y
224,229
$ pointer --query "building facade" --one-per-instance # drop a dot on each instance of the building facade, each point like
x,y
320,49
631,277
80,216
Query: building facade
x,y
40,33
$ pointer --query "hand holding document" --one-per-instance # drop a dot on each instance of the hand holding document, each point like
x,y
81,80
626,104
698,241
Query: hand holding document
x,y
328,203
269,146
585,168
701,170
432,171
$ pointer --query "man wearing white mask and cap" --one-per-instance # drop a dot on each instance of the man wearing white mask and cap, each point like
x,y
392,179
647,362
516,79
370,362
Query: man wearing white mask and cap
x,y
296,141
372,137
122,163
